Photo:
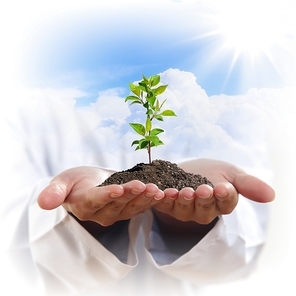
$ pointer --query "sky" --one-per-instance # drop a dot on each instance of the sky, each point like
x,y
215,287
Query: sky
x,y
230,46
230,66
230,57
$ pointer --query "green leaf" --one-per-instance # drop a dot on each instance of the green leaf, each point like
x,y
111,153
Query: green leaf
x,y
143,86
157,107
150,93
136,142
151,101
135,89
148,125
156,131
168,113
159,143
152,138
143,144
136,102
159,117
160,89
162,104
139,128
145,93
155,141
154,80
145,79
132,98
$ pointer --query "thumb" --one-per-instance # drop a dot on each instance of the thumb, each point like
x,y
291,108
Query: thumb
x,y
253,188
53,195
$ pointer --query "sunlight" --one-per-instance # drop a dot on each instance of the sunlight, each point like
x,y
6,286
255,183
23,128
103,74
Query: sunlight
x,y
256,38
250,26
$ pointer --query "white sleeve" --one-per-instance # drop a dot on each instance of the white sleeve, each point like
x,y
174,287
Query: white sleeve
x,y
50,247
63,250
229,251
60,254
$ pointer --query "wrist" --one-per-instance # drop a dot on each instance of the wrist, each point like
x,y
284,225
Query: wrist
x,y
114,238
180,236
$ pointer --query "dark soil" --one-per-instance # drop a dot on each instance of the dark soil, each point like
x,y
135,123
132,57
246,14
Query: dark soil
x,y
162,173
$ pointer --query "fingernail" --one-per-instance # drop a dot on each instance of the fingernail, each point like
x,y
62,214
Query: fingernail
x,y
188,197
159,196
172,198
149,195
115,195
135,192
221,195
204,197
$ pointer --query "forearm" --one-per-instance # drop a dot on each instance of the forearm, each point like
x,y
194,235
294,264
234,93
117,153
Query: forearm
x,y
179,236
110,236
228,251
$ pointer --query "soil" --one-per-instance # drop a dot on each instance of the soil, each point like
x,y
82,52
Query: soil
x,y
160,172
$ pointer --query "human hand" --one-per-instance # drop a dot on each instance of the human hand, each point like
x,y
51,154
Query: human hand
x,y
206,203
75,189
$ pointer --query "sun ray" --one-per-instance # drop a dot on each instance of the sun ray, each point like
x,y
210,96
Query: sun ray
x,y
230,69
251,36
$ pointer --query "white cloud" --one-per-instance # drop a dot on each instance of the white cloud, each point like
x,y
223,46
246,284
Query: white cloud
x,y
233,128
110,107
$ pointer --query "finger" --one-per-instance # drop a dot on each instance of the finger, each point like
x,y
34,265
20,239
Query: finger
x,y
56,192
132,189
167,202
226,197
115,208
94,203
151,196
153,192
205,200
185,199
98,197
204,191
253,188
53,195
132,202
183,209
205,205
117,202
170,194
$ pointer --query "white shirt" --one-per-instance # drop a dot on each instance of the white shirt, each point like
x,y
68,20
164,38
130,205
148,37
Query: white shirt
x,y
55,255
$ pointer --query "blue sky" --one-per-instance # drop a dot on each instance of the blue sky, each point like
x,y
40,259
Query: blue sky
x,y
230,66
96,47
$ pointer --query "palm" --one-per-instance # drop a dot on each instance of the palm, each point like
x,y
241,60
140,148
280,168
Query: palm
x,y
220,172
206,203
75,189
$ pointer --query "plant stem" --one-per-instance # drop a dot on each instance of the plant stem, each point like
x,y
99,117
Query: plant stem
x,y
149,152
149,142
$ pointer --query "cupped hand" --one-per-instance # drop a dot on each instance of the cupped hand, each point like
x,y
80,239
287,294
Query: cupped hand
x,y
206,203
76,190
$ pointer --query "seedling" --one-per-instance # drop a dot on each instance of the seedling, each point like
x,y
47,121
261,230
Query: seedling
x,y
145,93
